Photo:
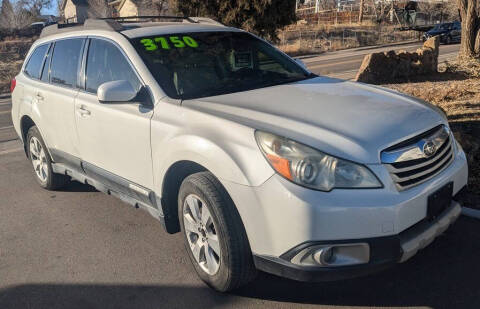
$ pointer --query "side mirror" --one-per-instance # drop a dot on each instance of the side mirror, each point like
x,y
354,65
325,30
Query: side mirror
x,y
301,63
116,91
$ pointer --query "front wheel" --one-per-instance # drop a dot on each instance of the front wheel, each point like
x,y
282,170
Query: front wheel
x,y
215,237
42,164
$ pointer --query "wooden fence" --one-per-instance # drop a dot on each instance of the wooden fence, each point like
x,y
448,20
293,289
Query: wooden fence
x,y
332,16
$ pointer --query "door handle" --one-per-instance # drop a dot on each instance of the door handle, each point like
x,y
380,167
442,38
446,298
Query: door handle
x,y
39,96
83,111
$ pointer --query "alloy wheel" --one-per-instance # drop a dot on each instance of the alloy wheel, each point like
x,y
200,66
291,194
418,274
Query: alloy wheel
x,y
39,159
201,234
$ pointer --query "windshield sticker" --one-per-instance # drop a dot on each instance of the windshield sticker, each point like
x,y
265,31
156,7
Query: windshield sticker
x,y
243,60
168,43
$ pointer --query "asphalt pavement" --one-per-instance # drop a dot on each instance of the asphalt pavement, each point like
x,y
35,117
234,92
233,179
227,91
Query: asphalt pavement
x,y
344,64
79,248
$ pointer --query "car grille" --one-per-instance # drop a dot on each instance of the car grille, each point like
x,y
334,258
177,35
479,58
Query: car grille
x,y
408,164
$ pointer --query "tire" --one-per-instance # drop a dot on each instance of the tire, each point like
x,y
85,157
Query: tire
x,y
42,164
448,40
233,265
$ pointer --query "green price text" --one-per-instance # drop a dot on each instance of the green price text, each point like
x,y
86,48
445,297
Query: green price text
x,y
168,43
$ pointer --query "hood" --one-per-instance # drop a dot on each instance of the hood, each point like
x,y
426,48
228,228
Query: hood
x,y
350,120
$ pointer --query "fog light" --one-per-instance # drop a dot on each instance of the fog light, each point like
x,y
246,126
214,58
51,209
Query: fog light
x,y
324,256
333,255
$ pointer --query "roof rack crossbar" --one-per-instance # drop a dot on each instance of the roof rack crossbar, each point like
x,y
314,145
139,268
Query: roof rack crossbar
x,y
190,19
135,18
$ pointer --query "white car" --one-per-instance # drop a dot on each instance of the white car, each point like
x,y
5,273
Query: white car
x,y
261,164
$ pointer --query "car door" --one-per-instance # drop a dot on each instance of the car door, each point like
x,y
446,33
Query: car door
x,y
114,138
32,71
55,95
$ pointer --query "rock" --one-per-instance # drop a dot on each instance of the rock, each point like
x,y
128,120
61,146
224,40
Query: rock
x,y
389,66
373,68
433,44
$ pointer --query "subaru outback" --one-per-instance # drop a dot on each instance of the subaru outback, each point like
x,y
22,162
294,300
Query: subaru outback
x,y
259,163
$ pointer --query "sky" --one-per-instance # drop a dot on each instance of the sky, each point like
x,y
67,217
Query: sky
x,y
52,10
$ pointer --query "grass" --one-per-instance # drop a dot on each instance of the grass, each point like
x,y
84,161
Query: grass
x,y
7,73
313,39
12,53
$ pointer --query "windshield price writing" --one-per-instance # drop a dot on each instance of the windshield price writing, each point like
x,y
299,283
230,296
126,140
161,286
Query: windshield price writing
x,y
168,43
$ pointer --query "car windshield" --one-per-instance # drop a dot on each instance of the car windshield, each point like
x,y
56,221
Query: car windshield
x,y
201,64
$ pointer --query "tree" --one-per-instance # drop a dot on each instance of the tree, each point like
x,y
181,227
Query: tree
x,y
360,13
470,46
7,15
99,8
23,16
34,6
263,17
158,7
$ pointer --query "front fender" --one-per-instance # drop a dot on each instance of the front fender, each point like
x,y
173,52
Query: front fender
x,y
227,160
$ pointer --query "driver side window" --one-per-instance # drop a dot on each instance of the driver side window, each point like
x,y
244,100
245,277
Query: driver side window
x,y
106,63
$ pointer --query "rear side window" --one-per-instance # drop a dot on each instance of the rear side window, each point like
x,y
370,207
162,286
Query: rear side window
x,y
36,61
65,60
106,63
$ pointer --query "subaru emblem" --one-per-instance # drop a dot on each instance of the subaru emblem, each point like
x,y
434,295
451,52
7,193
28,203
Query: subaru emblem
x,y
429,149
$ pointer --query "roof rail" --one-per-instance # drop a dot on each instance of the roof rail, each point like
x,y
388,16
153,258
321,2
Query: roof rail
x,y
114,23
97,24
206,20
138,19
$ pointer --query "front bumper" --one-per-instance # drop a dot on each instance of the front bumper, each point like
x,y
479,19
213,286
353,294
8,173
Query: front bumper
x,y
384,252
279,215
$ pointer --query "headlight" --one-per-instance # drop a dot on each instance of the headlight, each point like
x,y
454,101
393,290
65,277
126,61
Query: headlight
x,y
311,168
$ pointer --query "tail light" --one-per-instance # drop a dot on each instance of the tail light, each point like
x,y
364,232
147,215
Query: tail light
x,y
12,85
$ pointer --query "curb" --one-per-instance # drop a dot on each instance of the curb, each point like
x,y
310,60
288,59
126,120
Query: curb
x,y
359,48
470,212
308,56
389,45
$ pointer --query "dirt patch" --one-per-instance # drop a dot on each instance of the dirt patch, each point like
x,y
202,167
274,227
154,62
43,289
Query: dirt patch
x,y
458,95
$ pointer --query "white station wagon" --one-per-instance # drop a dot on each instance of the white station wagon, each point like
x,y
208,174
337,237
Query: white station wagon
x,y
261,164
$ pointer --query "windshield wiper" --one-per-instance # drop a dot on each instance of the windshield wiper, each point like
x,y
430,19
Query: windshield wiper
x,y
232,88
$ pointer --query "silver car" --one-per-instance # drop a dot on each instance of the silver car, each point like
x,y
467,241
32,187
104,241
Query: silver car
x,y
259,163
